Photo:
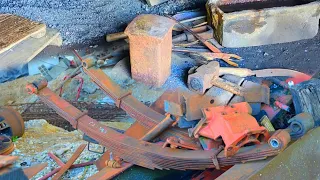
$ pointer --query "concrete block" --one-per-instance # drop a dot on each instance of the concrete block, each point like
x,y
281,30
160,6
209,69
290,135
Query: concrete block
x,y
150,39
244,23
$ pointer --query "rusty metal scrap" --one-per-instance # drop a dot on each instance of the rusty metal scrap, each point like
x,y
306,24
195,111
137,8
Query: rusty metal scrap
x,y
6,145
99,111
72,167
190,38
69,163
175,143
235,125
146,154
11,122
280,139
159,128
300,125
210,46
207,76
109,173
306,98
146,116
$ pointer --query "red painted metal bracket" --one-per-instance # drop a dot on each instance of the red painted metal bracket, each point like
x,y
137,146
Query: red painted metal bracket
x,y
235,125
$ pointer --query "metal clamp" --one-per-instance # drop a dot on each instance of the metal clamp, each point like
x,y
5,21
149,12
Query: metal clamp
x,y
80,116
119,99
215,158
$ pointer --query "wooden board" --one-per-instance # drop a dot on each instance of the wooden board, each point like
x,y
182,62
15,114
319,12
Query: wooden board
x,y
14,29
155,2
28,49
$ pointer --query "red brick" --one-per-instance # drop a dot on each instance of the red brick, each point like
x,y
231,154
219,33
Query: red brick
x,y
150,39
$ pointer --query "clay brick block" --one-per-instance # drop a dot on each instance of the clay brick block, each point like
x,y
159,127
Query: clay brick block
x,y
150,39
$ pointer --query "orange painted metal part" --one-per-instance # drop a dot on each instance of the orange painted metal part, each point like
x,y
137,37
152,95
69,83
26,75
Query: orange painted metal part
x,y
235,125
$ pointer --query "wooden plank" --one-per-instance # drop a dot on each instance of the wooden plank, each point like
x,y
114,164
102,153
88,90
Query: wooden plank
x,y
155,2
14,29
28,49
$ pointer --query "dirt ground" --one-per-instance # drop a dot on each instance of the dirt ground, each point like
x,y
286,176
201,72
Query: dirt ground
x,y
85,21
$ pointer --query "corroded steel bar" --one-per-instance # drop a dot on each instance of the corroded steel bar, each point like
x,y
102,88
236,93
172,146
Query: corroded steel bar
x,y
158,129
66,166
56,159
72,167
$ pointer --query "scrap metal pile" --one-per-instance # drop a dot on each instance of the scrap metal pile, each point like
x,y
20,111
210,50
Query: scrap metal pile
x,y
225,116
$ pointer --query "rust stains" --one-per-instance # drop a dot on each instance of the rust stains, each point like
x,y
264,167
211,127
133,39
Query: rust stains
x,y
246,26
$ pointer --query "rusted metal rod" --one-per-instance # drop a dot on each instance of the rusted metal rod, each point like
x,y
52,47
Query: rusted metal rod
x,y
203,41
73,73
72,167
56,159
116,36
158,129
73,158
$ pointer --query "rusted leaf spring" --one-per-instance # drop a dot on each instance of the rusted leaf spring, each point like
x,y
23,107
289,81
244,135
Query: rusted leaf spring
x,y
38,110
137,110
143,153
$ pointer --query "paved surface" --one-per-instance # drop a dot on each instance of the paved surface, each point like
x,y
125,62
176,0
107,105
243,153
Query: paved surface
x,y
301,55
